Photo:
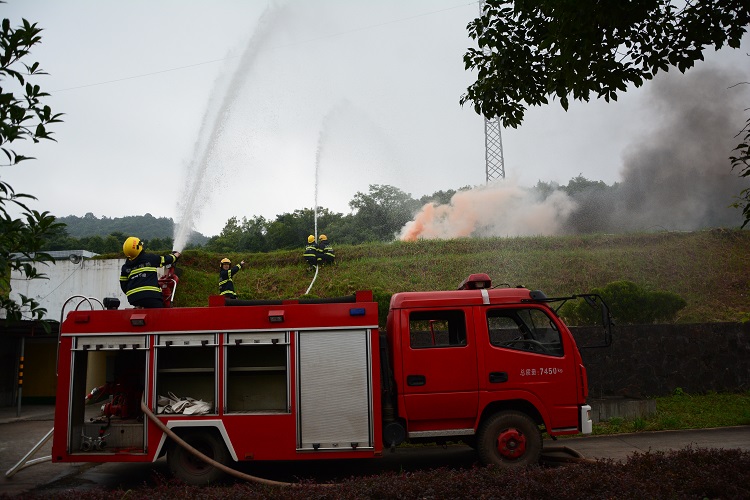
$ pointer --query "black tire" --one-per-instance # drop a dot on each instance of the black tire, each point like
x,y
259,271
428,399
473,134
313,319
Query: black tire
x,y
189,468
509,439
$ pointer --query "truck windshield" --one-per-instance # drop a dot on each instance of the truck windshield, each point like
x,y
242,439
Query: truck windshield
x,y
525,329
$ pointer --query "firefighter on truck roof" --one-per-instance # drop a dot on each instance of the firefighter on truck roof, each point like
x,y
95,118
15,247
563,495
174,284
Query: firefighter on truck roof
x,y
138,278
226,276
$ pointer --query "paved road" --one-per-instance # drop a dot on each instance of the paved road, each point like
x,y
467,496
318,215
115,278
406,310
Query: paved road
x,y
19,435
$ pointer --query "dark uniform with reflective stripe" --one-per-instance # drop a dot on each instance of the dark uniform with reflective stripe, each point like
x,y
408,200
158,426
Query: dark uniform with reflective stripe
x,y
140,282
226,285
325,255
311,254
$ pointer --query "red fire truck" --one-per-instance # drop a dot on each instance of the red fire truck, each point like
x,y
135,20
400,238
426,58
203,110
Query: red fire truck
x,y
314,379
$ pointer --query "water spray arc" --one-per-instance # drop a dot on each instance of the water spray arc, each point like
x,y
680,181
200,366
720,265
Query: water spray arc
x,y
226,93
315,213
322,136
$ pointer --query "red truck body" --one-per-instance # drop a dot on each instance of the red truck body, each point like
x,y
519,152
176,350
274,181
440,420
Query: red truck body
x,y
315,379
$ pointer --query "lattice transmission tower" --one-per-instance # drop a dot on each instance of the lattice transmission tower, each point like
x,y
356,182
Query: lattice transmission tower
x,y
493,150
493,139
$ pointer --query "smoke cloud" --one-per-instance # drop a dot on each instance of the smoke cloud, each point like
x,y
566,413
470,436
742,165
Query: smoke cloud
x,y
677,176
501,209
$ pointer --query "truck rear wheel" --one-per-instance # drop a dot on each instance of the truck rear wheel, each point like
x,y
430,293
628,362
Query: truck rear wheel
x,y
191,469
509,439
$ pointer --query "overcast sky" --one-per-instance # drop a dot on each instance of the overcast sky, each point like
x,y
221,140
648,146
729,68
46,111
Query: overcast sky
x,y
235,104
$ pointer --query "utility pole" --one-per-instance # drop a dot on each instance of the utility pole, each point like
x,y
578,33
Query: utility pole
x,y
493,139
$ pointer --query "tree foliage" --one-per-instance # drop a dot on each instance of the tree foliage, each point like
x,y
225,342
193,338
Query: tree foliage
x,y
383,211
532,51
144,226
22,116
376,216
741,162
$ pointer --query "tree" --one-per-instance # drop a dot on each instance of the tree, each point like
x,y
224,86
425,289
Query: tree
x,y
531,51
22,117
246,236
742,163
383,211
290,230
580,184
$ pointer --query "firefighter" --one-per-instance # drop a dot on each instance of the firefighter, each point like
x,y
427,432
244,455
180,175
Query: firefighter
x,y
325,251
226,277
138,278
311,252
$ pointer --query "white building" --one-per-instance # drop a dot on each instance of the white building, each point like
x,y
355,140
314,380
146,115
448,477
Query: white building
x,y
73,273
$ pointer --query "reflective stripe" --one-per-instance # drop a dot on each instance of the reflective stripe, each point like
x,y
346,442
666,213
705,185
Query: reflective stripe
x,y
143,289
225,281
141,270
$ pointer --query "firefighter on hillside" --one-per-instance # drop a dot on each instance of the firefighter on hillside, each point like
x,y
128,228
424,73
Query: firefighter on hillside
x,y
226,276
138,278
325,251
311,252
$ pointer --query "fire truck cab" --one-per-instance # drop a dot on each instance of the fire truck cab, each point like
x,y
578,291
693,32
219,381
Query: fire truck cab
x,y
486,366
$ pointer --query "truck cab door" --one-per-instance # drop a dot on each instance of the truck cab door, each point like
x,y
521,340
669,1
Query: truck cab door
x,y
439,376
524,352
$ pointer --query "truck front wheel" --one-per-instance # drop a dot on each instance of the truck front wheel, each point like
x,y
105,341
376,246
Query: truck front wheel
x,y
509,439
191,469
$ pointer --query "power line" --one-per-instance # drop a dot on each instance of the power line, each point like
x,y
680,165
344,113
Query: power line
x,y
309,40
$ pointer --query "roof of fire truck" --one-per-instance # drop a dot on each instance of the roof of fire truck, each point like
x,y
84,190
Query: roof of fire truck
x,y
474,290
355,310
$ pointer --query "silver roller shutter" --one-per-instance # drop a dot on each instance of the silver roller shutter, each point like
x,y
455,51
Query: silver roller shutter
x,y
335,400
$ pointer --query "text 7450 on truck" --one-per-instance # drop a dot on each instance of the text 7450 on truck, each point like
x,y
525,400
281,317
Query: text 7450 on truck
x,y
316,379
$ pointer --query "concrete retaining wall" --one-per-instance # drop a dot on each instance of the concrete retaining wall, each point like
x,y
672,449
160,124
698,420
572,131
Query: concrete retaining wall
x,y
654,360
629,409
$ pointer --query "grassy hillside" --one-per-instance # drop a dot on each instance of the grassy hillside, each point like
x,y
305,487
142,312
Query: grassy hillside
x,y
709,269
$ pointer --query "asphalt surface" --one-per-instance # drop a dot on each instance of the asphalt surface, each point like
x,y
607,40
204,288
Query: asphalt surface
x,y
20,434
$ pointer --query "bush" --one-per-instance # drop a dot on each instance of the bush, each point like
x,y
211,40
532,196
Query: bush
x,y
687,473
628,303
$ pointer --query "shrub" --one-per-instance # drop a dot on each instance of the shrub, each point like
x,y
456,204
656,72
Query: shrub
x,y
628,303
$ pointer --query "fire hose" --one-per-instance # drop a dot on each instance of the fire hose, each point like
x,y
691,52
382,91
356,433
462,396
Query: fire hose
x,y
208,460
313,280
572,455
569,455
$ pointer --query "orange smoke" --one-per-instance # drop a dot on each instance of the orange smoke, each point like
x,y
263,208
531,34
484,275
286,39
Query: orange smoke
x,y
501,209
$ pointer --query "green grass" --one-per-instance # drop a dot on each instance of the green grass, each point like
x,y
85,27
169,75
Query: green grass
x,y
686,411
709,269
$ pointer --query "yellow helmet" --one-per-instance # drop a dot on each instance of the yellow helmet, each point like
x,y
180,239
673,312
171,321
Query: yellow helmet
x,y
310,238
322,237
225,261
132,247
